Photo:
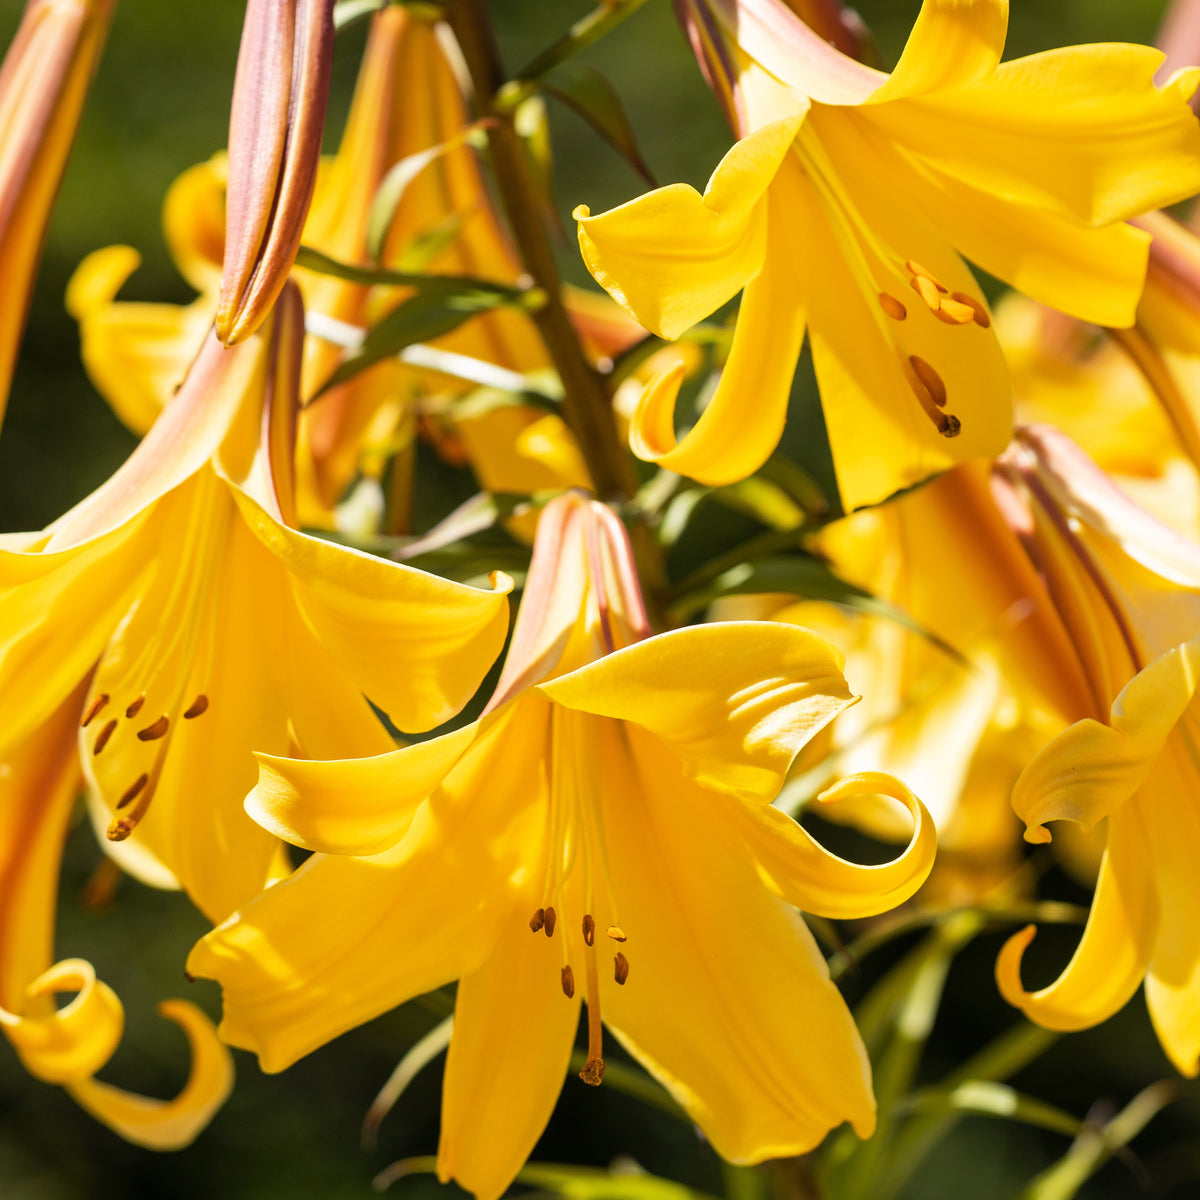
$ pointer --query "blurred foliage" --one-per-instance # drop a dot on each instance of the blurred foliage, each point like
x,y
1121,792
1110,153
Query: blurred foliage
x,y
159,105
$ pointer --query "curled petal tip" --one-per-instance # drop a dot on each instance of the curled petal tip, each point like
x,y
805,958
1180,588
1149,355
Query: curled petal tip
x,y
1008,966
1037,835
501,582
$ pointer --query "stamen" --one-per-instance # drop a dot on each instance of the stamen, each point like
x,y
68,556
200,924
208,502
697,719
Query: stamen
x,y
93,710
537,920
620,969
568,981
928,291
893,307
617,933
929,389
105,734
980,317
589,929
551,919
593,1071
153,732
198,707
136,707
954,312
131,792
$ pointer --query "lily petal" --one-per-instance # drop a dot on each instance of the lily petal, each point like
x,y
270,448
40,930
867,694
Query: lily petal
x,y
513,1034
136,354
952,44
734,700
61,1045
809,877
728,1001
729,441
1167,804
672,256
1091,769
167,1124
293,979
1080,132
1117,944
373,615
355,806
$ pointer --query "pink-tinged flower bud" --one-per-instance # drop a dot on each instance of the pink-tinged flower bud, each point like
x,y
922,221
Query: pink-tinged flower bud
x,y
43,83
279,100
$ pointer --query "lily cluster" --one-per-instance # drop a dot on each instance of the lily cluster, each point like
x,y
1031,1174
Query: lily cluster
x,y
238,647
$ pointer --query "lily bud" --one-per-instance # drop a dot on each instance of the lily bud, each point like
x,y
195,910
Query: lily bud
x,y
279,99
43,83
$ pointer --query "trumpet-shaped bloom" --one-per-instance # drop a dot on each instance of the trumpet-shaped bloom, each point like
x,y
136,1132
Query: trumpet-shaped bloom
x,y
845,209
956,717
39,783
1128,590
214,628
604,832
44,81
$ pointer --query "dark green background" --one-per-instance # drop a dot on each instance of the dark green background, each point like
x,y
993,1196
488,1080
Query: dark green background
x,y
160,104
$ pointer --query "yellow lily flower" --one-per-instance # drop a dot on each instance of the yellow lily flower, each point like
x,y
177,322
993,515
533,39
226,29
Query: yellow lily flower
x,y
956,720
214,628
44,81
1128,590
614,800
39,783
845,207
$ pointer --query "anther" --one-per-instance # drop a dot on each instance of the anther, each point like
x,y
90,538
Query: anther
x,y
980,314
893,307
593,1072
930,380
153,732
620,968
93,710
197,707
953,312
136,707
915,268
928,291
551,918
537,920
617,933
589,929
568,981
105,734
132,792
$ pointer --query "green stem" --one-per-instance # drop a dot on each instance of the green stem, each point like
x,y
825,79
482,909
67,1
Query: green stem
x,y
587,401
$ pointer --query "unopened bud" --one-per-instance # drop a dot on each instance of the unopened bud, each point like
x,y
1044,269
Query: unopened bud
x,y
43,83
279,100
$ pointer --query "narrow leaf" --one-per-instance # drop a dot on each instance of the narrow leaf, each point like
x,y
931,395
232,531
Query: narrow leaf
x,y
350,12
409,1067
588,93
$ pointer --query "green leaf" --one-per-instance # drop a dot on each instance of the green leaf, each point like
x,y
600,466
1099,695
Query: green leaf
x,y
585,91
442,304
482,511
987,1098
408,1068
1094,1147
601,20
395,183
314,260
349,12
